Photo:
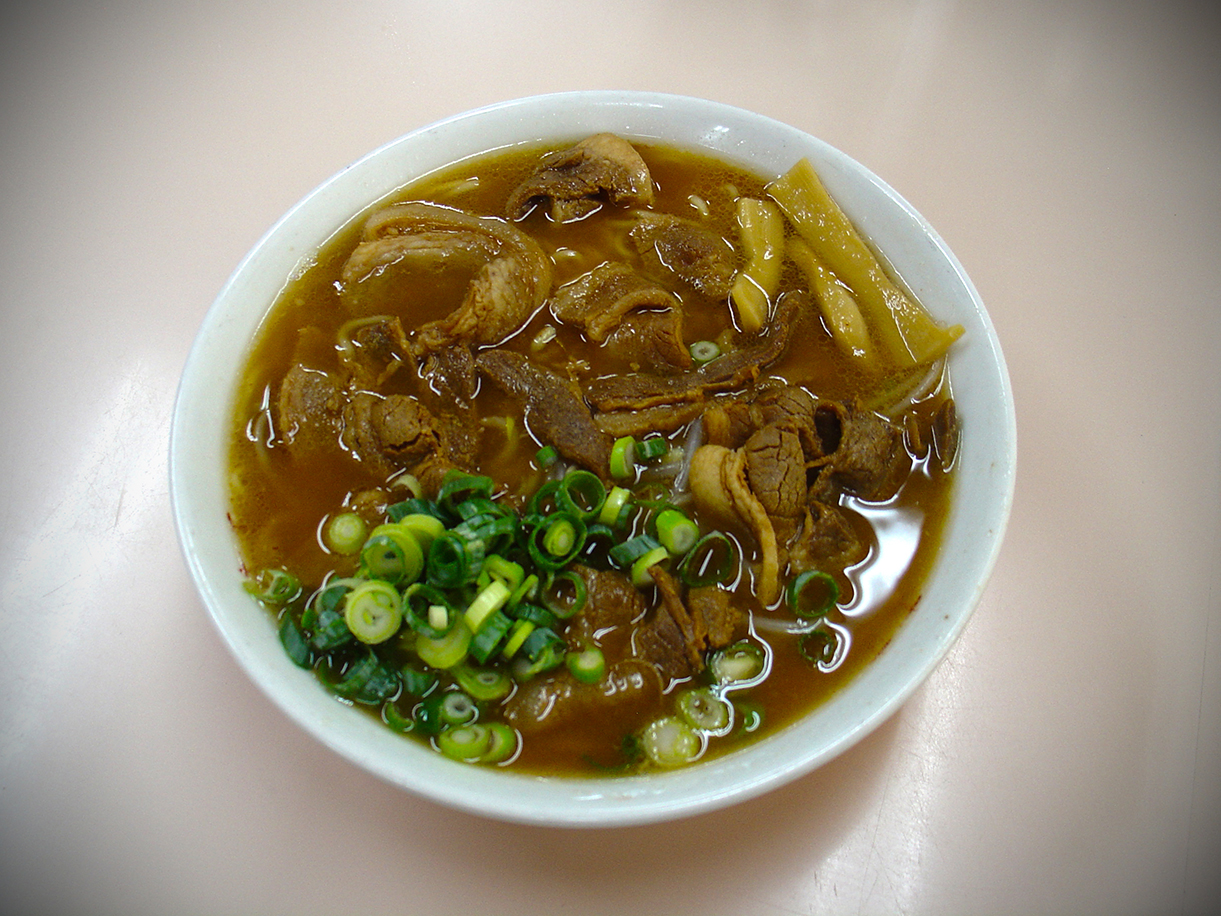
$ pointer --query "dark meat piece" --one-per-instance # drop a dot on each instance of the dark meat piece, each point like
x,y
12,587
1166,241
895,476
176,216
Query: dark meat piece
x,y
860,450
612,607
652,339
677,636
574,180
696,255
308,408
776,470
946,433
629,689
664,418
597,301
722,620
553,408
732,370
728,423
825,540
391,433
513,276
450,384
373,351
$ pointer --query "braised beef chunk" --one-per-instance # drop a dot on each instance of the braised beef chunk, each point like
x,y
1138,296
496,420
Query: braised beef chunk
x,y
776,470
390,433
636,391
652,339
697,256
450,383
374,351
946,433
722,619
728,423
825,539
863,451
678,635
308,408
612,607
598,300
628,690
554,410
574,181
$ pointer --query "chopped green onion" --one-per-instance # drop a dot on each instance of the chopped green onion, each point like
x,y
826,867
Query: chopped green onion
x,y
539,616
488,601
466,743
676,532
373,611
502,743
428,610
820,647
444,651
454,561
427,715
623,458
651,447
546,456
544,502
566,594
457,708
704,351
413,506
703,709
670,742
612,511
588,666
392,554
417,683
274,586
556,540
527,589
736,664
483,684
367,680
520,631
641,574
582,493
458,487
345,534
294,643
395,719
423,527
625,554
506,571
542,651
712,560
813,594
485,643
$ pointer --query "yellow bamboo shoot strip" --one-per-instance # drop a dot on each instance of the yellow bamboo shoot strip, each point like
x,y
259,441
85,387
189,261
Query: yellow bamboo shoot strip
x,y
839,309
761,229
907,333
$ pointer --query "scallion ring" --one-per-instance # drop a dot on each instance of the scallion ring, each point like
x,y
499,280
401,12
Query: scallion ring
x,y
373,611
712,560
813,594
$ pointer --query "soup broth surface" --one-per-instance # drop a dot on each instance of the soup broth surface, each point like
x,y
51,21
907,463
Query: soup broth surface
x,y
283,495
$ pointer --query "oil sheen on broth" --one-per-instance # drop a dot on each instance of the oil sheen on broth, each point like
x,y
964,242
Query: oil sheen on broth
x,y
878,529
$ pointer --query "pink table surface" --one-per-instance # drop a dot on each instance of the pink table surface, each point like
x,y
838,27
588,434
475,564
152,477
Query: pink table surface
x,y
1066,756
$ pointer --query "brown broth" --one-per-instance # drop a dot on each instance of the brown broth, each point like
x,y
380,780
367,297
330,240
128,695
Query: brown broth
x,y
279,499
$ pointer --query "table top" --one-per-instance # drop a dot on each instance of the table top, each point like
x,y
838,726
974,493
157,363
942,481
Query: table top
x,y
1064,758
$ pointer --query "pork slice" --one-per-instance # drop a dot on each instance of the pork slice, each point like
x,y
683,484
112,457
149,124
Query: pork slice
x,y
674,246
554,410
575,180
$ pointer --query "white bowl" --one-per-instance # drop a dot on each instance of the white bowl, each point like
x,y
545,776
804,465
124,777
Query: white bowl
x,y
981,500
